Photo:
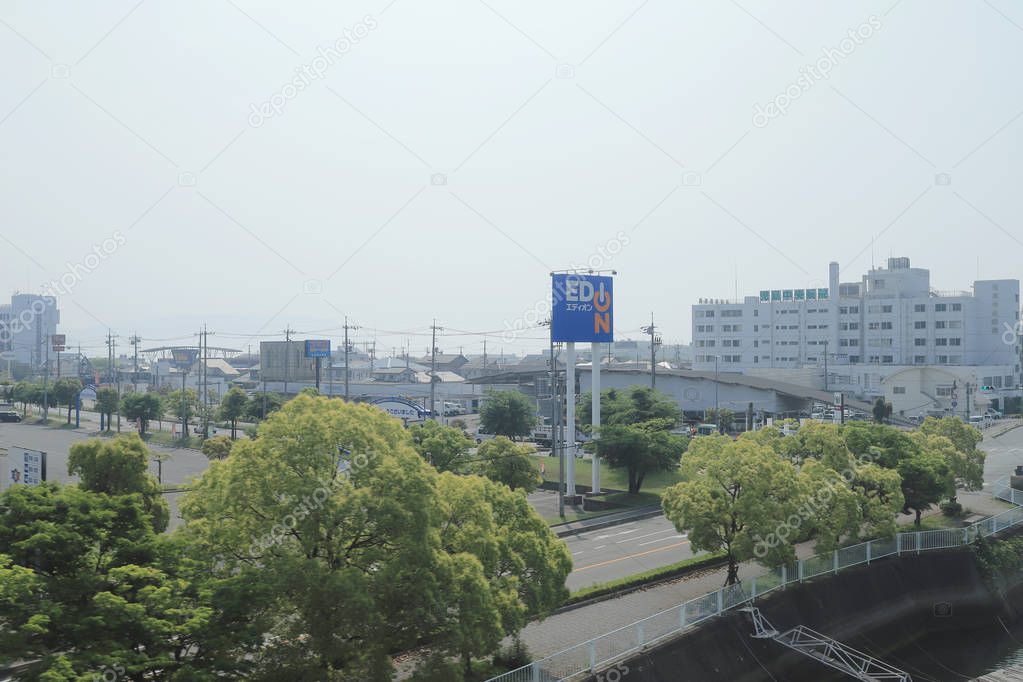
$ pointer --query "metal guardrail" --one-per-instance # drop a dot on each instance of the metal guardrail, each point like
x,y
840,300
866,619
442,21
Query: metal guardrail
x,y
589,656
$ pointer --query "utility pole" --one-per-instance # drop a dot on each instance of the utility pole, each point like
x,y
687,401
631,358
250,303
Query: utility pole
x,y
433,369
46,375
654,342
204,369
347,373
484,354
134,341
287,357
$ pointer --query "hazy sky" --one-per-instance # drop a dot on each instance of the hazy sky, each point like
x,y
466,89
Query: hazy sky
x,y
256,165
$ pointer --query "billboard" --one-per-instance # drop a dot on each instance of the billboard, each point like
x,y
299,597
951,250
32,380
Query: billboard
x,y
581,308
317,348
403,409
59,342
24,467
183,358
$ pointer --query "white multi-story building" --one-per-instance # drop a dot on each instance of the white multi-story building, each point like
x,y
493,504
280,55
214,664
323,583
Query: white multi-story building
x,y
26,325
888,321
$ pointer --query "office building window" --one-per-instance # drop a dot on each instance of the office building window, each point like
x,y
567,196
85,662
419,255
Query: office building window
x,y
887,359
899,390
919,308
939,324
944,391
940,342
919,342
853,326
873,326
956,307
919,359
939,307
920,324
886,325
886,309
854,359
955,324
955,341
942,359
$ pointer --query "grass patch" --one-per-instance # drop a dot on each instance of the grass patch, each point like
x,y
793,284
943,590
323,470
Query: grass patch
x,y
653,575
936,522
165,438
654,483
641,499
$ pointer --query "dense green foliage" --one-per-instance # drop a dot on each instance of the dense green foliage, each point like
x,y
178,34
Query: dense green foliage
x,y
508,413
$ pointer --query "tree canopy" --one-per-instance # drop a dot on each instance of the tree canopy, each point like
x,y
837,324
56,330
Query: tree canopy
x,y
119,467
143,407
445,447
736,494
507,413
366,547
232,407
509,463
633,405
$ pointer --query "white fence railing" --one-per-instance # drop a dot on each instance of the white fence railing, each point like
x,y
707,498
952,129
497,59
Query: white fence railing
x,y
598,652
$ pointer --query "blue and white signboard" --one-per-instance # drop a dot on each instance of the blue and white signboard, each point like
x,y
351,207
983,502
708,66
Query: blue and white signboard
x,y
405,410
317,348
581,308
24,467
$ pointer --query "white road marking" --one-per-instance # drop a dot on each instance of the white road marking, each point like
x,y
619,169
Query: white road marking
x,y
650,542
601,547
640,537
601,537
578,553
626,532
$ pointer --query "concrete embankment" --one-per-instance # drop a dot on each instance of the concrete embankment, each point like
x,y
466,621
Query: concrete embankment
x,y
937,603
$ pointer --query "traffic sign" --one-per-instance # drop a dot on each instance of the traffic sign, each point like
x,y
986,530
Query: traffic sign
x,y
955,403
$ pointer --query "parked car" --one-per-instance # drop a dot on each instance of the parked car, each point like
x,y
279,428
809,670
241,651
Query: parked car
x,y
9,416
979,421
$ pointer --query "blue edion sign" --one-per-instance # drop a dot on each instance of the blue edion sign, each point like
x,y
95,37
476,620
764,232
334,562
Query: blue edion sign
x,y
581,308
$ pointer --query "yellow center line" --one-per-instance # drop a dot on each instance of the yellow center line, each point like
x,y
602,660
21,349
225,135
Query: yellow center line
x,y
631,556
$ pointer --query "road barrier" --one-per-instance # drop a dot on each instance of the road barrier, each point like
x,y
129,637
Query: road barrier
x,y
596,653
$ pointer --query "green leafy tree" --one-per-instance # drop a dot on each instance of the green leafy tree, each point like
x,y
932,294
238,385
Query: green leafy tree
x,y
106,403
926,478
143,407
634,405
966,460
86,586
190,404
233,407
737,495
333,513
493,538
261,405
217,447
639,449
509,463
119,467
723,417
25,393
445,447
882,410
64,393
508,413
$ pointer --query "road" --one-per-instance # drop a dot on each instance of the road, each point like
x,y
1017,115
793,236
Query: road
x,y
624,550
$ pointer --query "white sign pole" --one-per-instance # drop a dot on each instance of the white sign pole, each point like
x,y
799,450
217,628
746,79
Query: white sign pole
x,y
595,421
569,448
